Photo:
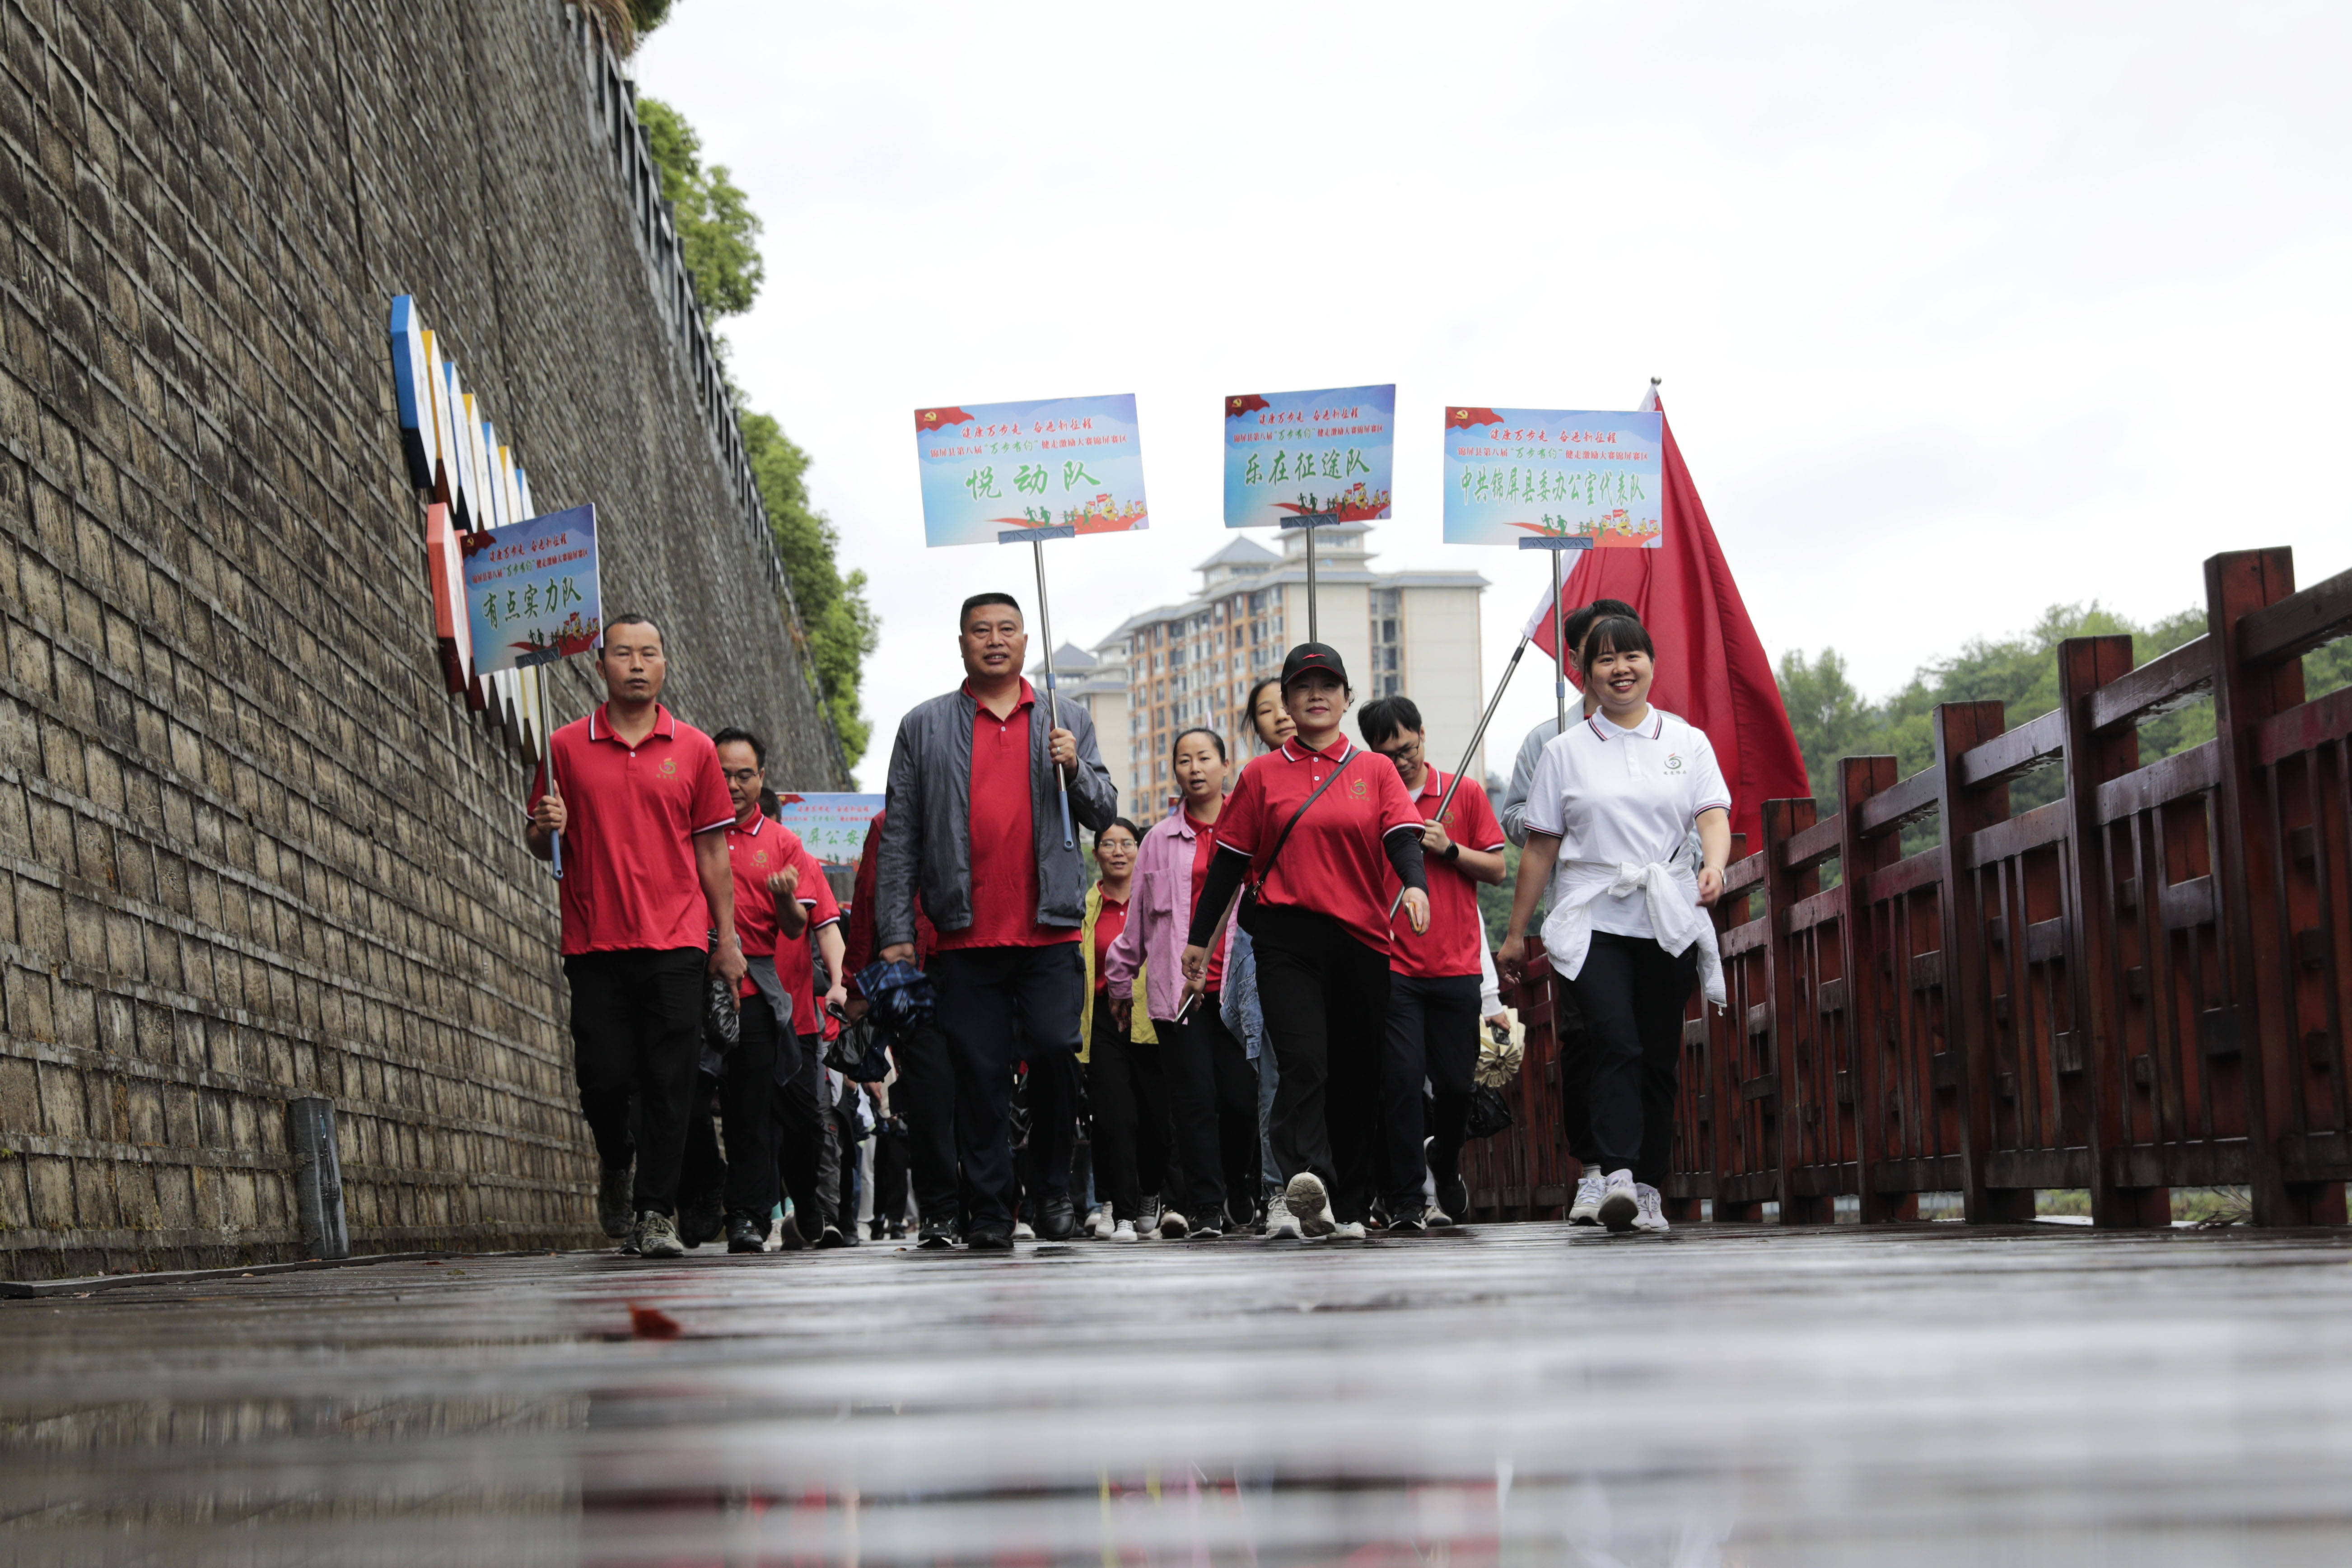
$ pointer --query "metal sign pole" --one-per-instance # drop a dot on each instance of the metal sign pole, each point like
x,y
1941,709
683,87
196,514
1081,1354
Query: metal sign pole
x,y
1559,644
1313,635
1471,751
1036,537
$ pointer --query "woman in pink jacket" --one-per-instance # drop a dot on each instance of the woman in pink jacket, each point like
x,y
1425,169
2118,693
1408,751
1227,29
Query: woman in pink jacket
x,y
1211,1083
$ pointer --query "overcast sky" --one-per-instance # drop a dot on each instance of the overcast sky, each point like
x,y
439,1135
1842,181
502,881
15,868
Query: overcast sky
x,y
1961,311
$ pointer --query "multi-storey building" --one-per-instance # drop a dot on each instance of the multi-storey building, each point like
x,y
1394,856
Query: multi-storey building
x,y
1194,663
1097,682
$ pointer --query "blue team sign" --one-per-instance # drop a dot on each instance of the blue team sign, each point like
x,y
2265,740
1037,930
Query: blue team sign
x,y
1297,458
993,468
1595,480
533,593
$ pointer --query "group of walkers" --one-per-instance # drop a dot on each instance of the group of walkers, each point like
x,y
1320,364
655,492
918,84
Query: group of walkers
x,y
1261,1015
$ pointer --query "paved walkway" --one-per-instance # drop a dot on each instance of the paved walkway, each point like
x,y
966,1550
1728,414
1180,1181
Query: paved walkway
x,y
1726,1395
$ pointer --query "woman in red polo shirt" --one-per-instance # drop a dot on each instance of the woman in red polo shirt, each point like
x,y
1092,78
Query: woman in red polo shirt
x,y
1313,827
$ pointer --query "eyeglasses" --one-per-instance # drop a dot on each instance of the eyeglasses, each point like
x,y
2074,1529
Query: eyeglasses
x,y
739,775
1402,752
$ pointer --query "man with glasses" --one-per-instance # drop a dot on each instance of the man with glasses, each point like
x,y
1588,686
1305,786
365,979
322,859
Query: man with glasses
x,y
1433,980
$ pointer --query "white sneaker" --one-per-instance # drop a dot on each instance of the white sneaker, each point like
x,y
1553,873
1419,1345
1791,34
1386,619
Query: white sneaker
x,y
1348,1230
1021,1231
1620,1204
1308,1203
1098,1224
1652,1213
1436,1219
1590,1188
1123,1231
1281,1225
1172,1226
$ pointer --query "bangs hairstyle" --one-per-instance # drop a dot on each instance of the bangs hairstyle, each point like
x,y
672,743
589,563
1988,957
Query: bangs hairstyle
x,y
1214,739
1614,634
1581,621
1132,831
1249,709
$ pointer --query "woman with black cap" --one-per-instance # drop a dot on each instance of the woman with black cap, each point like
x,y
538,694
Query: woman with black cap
x,y
1312,829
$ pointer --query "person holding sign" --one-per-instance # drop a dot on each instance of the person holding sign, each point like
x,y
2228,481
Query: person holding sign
x,y
1435,975
640,802
973,827
1612,807
1314,828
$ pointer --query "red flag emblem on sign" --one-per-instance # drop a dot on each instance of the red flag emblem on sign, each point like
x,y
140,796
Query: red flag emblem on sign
x,y
938,418
1237,406
1457,419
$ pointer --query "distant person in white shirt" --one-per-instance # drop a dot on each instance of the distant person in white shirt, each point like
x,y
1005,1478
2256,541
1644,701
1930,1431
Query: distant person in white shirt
x,y
1608,820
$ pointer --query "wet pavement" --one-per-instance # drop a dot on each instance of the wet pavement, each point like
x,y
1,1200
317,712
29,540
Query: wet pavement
x,y
1514,1393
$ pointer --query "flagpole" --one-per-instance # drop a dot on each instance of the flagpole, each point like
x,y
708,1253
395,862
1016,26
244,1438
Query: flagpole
x,y
1470,751
554,840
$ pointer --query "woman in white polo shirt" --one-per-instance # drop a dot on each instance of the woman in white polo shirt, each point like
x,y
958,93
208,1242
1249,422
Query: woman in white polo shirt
x,y
1609,826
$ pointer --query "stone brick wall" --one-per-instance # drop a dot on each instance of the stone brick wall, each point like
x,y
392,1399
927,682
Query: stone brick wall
x,y
249,847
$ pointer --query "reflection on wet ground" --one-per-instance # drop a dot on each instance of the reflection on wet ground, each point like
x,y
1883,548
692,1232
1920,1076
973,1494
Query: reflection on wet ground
x,y
1726,1395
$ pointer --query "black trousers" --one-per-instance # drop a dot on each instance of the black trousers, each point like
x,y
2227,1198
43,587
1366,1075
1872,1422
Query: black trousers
x,y
1051,1091
890,1160
636,1037
804,1132
702,1169
1324,996
745,1113
1433,1037
846,1136
1000,1006
924,1098
1128,1094
1574,1048
1212,1108
1632,995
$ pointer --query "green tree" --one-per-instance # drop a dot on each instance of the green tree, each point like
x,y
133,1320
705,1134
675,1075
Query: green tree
x,y
719,234
715,226
842,627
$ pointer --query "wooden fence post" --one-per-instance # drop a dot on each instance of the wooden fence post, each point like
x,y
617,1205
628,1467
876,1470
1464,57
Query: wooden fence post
x,y
2259,1025
1783,820
1959,727
2086,664
1868,992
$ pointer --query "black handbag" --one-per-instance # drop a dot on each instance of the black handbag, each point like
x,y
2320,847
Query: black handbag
x,y
856,1053
1489,1112
722,1021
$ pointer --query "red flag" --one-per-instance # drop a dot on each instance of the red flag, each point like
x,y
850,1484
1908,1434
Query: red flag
x,y
1712,668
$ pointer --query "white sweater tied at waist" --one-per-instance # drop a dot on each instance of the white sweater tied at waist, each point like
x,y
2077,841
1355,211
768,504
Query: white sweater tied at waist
x,y
1677,917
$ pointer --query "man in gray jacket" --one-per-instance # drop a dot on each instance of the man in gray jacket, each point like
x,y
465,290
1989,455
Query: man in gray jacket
x,y
973,826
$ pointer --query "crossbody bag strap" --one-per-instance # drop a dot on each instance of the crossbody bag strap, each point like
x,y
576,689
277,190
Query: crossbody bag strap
x,y
1258,884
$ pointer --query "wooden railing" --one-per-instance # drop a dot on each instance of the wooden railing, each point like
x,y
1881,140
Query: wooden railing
x,y
2144,984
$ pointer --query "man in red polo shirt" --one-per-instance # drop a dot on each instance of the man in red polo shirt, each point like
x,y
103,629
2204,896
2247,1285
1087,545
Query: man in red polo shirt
x,y
1433,977
639,800
972,826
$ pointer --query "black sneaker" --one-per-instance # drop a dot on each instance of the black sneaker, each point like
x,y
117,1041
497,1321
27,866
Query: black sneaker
x,y
938,1235
1057,1218
990,1238
1206,1232
702,1218
614,1210
1408,1225
1454,1197
833,1238
746,1233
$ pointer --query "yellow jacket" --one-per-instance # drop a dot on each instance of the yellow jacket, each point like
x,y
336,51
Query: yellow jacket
x,y
1140,1029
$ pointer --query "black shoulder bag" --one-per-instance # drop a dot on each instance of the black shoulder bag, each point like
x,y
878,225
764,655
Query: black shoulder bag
x,y
1249,891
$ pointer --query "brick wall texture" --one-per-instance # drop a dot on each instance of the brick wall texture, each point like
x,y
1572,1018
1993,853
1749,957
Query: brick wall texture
x,y
251,848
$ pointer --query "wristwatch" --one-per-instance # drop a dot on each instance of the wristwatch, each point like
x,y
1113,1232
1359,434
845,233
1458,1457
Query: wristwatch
x,y
1452,850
